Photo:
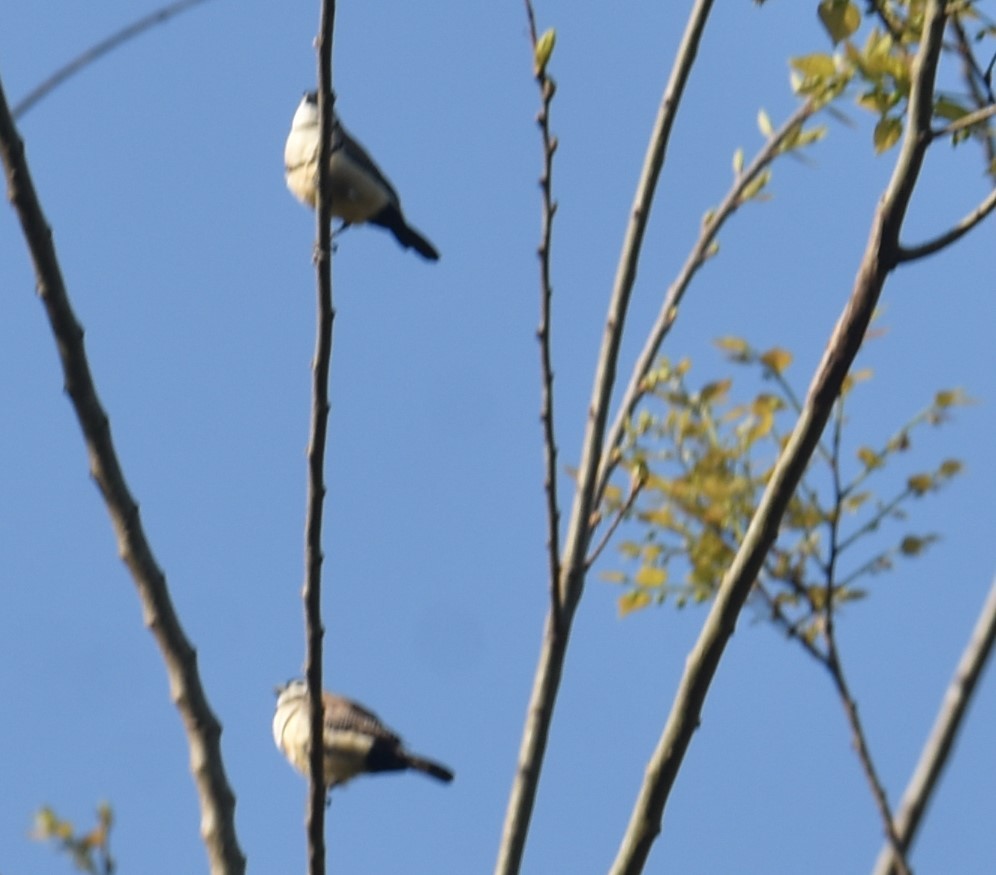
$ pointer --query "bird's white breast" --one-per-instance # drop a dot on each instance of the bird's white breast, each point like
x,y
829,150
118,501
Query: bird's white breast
x,y
345,750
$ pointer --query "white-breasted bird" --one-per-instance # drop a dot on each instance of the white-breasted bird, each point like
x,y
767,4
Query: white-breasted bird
x,y
359,190
355,740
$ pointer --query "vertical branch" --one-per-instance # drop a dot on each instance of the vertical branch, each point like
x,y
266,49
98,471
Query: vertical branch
x,y
880,258
202,727
832,661
547,90
312,593
556,633
940,744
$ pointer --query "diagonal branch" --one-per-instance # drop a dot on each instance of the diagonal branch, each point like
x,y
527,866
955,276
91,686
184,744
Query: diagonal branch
x,y
669,309
320,406
97,51
940,744
202,727
878,261
573,568
860,740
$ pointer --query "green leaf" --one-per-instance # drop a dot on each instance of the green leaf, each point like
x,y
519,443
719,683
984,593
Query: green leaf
x,y
633,601
776,359
887,133
913,546
950,467
816,65
543,51
650,577
755,186
869,458
764,123
840,18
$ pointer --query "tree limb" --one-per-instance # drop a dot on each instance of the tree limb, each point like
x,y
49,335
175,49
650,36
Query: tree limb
x,y
881,256
203,730
940,744
573,568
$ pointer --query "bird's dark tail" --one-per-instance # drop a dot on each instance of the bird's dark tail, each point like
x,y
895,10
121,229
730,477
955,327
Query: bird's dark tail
x,y
435,770
390,217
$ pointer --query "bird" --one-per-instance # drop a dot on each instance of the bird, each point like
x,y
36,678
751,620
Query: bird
x,y
356,741
359,190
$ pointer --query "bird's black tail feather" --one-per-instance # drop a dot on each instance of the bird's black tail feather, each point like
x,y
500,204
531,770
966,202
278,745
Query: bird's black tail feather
x,y
390,217
421,764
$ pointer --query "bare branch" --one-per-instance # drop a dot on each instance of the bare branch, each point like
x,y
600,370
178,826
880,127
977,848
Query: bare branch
x,y
879,259
636,487
573,568
547,90
320,406
97,51
966,121
669,309
202,728
912,253
864,753
940,743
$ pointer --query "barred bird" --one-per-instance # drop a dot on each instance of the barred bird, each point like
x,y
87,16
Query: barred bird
x,y
355,740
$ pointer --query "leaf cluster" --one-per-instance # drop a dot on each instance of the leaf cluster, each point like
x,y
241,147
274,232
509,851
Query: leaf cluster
x,y
879,67
699,462
90,852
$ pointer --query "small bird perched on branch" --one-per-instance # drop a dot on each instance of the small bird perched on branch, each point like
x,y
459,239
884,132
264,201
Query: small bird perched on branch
x,y
354,738
359,190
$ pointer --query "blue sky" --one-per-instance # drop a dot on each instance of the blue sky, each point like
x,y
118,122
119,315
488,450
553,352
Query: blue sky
x,y
189,264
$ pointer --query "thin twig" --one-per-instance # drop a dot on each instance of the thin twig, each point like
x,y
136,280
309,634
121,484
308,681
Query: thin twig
x,y
864,754
320,407
912,253
966,121
202,727
572,576
547,90
97,51
635,390
703,661
940,744
619,516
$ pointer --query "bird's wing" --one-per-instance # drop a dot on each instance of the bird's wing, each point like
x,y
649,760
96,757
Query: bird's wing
x,y
342,140
345,715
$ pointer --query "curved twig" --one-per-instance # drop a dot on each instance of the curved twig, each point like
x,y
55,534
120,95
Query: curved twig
x,y
912,253
97,51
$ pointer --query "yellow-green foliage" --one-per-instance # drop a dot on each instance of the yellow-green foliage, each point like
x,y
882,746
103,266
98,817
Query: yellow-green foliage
x,y
872,50
698,463
90,852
